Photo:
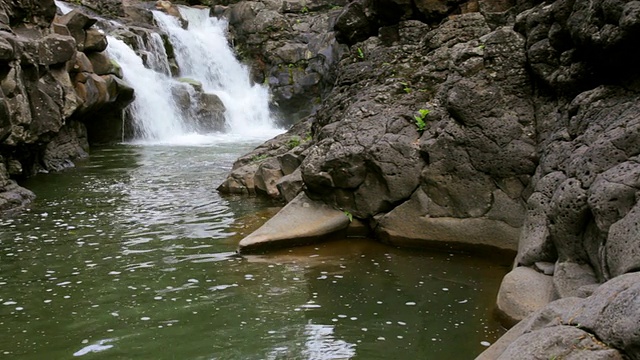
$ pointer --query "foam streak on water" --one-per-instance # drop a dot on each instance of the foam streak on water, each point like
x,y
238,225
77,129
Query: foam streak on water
x,y
203,53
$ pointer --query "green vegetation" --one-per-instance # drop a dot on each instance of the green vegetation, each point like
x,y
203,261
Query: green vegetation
x,y
406,88
360,54
190,81
420,123
257,158
348,215
305,10
335,7
293,142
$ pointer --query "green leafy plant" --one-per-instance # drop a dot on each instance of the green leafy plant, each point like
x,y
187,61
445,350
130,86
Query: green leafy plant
x,y
307,137
348,215
360,54
481,47
305,10
419,119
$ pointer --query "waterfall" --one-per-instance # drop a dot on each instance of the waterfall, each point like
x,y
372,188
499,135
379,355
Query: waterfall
x,y
156,115
64,8
170,110
202,53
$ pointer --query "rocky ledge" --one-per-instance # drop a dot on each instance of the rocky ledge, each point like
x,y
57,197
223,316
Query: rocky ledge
x,y
55,82
509,125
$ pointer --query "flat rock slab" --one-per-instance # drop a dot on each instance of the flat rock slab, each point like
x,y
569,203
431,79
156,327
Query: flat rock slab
x,y
302,221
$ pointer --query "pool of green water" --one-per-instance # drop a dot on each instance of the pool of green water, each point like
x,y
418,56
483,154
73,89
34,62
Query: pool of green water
x,y
130,255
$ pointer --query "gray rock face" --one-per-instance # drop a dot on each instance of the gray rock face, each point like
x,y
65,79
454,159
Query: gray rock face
x,y
263,169
605,325
47,88
465,167
509,123
291,46
561,342
582,212
469,157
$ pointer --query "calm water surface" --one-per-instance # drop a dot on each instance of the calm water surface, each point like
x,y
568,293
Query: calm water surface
x,y
130,256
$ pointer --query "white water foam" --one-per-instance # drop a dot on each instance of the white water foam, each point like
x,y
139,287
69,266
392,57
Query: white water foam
x,y
157,116
203,54
64,8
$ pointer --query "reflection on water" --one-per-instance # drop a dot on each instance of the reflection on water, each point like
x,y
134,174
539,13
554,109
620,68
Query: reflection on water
x,y
131,256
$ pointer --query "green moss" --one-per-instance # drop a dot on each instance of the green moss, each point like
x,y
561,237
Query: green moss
x,y
293,142
257,158
115,65
190,81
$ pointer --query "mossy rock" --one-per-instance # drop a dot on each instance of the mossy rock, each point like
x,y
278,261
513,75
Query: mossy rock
x,y
197,85
116,69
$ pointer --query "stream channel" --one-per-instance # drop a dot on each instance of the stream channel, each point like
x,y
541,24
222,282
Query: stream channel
x,y
130,255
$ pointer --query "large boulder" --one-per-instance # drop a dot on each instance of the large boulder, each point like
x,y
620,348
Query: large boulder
x,y
605,325
522,292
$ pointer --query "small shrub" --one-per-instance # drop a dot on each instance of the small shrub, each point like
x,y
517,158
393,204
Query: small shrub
x,y
360,54
419,119
293,142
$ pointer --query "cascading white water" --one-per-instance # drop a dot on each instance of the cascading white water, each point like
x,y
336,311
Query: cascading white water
x,y
64,8
157,116
203,53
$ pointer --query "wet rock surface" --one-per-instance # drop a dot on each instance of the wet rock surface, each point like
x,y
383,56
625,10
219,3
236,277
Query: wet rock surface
x,y
512,119
506,124
601,326
48,89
